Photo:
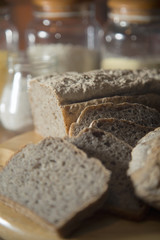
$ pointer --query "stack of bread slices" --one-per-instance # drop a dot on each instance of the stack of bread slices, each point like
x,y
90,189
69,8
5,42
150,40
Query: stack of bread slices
x,y
92,124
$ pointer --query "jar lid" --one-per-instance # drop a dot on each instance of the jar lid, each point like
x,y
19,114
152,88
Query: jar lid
x,y
135,4
58,2
58,5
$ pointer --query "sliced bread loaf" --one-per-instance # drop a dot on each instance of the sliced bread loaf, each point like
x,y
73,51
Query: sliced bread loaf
x,y
134,112
127,131
115,156
52,96
75,87
54,183
71,112
144,171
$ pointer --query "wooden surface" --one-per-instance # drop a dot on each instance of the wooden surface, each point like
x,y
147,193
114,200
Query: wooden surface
x,y
4,134
15,226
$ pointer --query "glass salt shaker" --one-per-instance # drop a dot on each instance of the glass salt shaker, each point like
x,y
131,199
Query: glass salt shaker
x,y
66,31
15,108
131,35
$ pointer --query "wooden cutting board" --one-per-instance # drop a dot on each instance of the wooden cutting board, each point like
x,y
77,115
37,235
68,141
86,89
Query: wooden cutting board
x,y
15,226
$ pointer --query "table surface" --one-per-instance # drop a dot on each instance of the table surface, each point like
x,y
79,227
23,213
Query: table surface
x,y
5,135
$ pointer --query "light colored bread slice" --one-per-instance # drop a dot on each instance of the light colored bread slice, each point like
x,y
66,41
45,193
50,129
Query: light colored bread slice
x,y
144,171
56,182
134,112
115,156
52,96
141,150
127,131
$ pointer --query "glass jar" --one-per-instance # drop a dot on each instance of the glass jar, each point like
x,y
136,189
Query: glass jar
x,y
66,31
132,35
15,112
8,40
15,108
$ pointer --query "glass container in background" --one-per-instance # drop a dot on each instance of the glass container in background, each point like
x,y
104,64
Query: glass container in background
x,y
66,31
15,108
132,35
8,40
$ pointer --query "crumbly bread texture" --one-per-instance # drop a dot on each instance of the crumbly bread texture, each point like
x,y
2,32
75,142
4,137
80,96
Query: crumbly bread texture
x,y
141,150
134,112
55,181
71,112
74,87
127,131
57,100
144,171
115,156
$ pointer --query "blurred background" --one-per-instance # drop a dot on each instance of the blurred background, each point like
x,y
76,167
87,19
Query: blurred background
x,y
40,37
21,11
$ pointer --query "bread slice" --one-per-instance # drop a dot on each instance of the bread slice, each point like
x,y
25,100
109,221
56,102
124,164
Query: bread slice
x,y
144,171
127,131
134,112
115,156
72,111
53,97
56,182
141,150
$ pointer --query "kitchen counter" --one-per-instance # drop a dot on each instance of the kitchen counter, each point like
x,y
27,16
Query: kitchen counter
x,y
5,135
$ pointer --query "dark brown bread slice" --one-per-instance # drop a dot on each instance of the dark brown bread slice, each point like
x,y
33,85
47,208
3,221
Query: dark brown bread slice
x,y
115,156
127,131
54,183
134,112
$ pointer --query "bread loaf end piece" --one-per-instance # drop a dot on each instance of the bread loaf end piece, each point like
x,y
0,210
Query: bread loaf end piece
x,y
46,110
72,87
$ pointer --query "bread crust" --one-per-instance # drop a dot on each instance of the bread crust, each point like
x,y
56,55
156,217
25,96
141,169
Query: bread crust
x,y
65,227
138,115
91,141
71,112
